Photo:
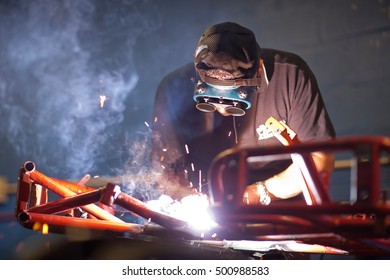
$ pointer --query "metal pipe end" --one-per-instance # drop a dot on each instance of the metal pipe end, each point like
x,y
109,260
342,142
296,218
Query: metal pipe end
x,y
29,166
23,217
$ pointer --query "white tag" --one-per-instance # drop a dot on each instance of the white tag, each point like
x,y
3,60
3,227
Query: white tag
x,y
263,132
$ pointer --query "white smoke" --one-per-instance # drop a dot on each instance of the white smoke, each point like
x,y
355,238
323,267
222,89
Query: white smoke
x,y
56,59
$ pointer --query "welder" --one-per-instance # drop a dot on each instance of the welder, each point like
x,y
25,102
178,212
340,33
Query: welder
x,y
223,98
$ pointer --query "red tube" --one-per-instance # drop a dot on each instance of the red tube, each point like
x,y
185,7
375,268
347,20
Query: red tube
x,y
67,203
28,219
140,208
23,192
62,191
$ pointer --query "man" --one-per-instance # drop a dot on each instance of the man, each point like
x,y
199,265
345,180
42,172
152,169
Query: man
x,y
223,99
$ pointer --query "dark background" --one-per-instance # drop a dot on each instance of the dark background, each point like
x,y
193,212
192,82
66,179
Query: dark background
x,y
58,57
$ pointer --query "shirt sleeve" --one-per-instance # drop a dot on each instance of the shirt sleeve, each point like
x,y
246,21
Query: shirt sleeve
x,y
308,116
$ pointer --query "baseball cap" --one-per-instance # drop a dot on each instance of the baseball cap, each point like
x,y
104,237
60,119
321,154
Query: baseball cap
x,y
228,51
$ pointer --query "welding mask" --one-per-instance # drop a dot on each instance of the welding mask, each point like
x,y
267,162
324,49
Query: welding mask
x,y
226,61
237,99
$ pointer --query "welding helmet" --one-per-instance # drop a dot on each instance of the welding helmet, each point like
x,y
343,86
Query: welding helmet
x,y
226,61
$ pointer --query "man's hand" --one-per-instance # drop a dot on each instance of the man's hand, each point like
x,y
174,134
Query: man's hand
x,y
257,193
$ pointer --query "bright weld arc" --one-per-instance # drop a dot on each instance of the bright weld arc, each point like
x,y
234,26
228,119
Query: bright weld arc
x,y
200,220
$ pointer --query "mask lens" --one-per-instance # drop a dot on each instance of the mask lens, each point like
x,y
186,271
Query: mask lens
x,y
235,110
205,107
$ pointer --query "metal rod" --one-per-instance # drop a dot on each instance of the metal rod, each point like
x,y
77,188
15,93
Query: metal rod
x,y
67,203
62,191
140,208
28,219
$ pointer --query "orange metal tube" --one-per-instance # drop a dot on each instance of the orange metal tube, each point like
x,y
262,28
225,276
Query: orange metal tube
x,y
23,192
67,203
74,187
28,219
140,208
63,191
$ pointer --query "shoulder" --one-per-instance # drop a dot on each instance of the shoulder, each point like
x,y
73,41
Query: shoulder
x,y
277,59
181,76
176,90
282,57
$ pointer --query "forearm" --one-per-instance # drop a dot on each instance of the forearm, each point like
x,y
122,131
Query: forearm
x,y
285,184
289,183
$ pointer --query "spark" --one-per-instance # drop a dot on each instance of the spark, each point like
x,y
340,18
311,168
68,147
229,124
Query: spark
x,y
45,228
164,150
103,99
192,167
155,119
230,133
200,180
36,226
186,146
146,123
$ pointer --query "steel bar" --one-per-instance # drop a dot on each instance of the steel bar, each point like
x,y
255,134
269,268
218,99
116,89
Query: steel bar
x,y
76,188
67,203
62,191
28,219
134,205
314,191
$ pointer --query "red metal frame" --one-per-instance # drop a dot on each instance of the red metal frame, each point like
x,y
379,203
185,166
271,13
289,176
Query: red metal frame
x,y
363,220
33,208
359,227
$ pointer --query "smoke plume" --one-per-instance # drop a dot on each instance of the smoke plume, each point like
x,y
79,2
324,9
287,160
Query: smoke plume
x,y
56,59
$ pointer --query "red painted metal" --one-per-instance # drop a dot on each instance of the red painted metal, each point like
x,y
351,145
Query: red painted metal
x,y
68,203
29,174
140,208
29,219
